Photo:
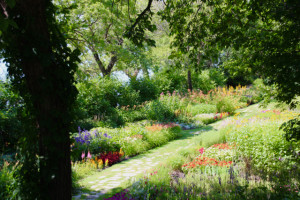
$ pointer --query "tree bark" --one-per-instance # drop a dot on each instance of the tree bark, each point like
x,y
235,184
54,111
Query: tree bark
x,y
49,92
107,71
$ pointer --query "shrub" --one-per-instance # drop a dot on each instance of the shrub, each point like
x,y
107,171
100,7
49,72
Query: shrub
x,y
11,105
146,88
209,79
204,82
156,110
227,104
98,99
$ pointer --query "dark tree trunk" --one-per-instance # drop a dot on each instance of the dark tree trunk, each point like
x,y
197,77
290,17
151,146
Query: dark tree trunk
x,y
189,80
34,58
107,71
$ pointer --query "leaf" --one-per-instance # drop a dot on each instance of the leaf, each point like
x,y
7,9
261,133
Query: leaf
x,y
11,3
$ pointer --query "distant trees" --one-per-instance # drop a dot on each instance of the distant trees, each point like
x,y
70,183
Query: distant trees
x,y
267,32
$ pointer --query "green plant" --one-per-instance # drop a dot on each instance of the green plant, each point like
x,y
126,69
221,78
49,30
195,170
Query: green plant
x,y
146,88
7,181
202,108
226,104
156,110
292,129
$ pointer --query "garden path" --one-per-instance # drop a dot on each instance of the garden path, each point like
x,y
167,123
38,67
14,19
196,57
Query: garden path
x,y
113,177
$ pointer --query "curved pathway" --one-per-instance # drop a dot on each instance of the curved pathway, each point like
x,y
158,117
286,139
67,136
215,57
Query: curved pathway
x,y
112,177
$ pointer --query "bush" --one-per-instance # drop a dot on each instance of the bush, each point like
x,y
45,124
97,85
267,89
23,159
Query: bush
x,y
156,110
227,104
146,88
204,82
134,146
170,80
98,100
11,105
132,114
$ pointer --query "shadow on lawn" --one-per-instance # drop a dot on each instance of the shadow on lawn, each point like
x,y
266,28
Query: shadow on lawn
x,y
92,194
187,134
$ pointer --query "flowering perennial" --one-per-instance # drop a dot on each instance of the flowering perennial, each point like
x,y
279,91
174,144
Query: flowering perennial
x,y
206,161
158,127
112,157
222,146
219,116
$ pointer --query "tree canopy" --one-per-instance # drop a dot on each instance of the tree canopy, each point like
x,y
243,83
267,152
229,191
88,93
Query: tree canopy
x,y
267,32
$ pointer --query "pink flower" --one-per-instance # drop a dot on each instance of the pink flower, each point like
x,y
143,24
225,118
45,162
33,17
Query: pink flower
x,y
89,155
82,155
201,150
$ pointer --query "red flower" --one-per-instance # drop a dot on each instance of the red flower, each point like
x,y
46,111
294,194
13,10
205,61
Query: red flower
x,y
201,150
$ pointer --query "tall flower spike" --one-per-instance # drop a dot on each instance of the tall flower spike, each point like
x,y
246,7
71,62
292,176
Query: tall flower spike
x,y
82,155
89,155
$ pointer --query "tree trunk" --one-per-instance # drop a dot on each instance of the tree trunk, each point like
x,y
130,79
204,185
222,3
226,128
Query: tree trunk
x,y
35,53
189,79
107,71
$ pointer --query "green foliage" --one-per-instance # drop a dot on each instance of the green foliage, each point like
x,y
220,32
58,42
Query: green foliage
x,y
99,99
226,104
218,76
146,88
7,181
170,80
209,79
204,82
262,92
132,115
202,108
157,110
292,129
10,124
266,33
260,140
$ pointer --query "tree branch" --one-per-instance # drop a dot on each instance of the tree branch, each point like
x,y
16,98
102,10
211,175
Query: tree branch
x,y
147,9
4,5
112,62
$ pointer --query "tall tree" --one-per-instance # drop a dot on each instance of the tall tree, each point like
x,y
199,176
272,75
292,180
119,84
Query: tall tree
x,y
41,67
98,28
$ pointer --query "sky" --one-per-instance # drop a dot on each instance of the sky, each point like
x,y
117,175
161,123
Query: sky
x,y
3,71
